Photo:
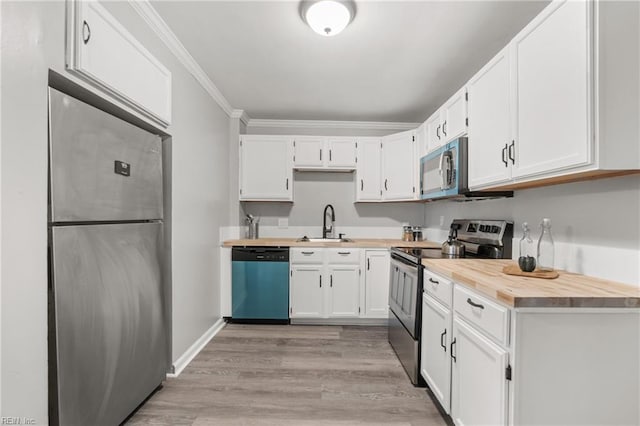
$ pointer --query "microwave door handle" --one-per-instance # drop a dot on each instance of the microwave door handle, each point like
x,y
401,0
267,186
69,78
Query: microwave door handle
x,y
441,171
449,174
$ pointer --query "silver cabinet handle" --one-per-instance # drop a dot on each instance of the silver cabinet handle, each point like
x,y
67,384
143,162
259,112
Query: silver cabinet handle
x,y
344,252
504,156
287,184
512,154
438,132
385,185
444,128
361,185
331,280
307,253
329,155
320,155
431,280
320,281
86,32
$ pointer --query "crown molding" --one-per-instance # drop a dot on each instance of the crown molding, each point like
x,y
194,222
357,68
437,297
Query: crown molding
x,y
242,115
162,30
326,124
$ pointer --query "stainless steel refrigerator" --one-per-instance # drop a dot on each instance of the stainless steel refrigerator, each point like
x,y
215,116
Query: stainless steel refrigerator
x,y
108,309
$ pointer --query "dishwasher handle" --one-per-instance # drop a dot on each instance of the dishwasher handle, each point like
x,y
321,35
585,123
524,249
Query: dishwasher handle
x,y
259,254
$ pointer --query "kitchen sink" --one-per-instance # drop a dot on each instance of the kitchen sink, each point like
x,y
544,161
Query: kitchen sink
x,y
306,239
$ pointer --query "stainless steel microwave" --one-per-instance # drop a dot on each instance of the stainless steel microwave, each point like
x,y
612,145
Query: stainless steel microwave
x,y
443,172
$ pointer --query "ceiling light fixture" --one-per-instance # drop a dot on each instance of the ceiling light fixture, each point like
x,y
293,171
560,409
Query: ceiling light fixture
x,y
327,17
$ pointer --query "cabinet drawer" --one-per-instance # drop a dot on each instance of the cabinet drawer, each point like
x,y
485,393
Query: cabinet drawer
x,y
438,287
343,255
489,316
306,255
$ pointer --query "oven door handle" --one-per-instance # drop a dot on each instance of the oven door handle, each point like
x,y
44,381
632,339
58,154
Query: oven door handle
x,y
403,261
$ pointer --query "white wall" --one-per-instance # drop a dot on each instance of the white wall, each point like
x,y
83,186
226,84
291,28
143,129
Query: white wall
x,y
595,224
313,190
33,42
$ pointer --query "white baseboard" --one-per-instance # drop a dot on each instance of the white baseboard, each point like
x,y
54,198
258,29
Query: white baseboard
x,y
341,321
194,349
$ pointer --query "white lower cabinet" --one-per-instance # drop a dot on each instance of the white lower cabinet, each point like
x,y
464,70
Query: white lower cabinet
x,y
478,382
306,291
540,366
344,291
376,283
322,289
435,365
335,283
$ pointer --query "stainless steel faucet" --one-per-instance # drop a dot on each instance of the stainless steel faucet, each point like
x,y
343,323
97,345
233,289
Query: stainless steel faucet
x,y
328,231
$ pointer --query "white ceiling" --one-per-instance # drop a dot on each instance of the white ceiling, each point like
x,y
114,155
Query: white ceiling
x,y
397,61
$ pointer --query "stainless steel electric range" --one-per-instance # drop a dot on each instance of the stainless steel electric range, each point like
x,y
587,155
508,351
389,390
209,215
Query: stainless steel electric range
x,y
482,239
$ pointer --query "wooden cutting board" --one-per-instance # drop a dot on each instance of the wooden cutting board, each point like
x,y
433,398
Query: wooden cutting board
x,y
515,270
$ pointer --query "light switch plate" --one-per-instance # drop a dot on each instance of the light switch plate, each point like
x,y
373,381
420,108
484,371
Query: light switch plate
x,y
283,222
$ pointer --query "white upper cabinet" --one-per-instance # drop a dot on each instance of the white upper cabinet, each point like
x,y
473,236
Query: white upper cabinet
x,y
307,152
368,170
322,153
551,70
266,172
566,83
342,153
103,52
398,168
447,123
422,140
454,116
490,124
434,138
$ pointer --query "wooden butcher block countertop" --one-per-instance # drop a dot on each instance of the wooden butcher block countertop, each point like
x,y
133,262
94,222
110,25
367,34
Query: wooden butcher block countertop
x,y
356,242
568,290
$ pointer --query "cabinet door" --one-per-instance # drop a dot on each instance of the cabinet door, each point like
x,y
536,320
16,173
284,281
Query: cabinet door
x,y
434,132
105,53
308,152
552,71
422,140
265,168
307,291
342,153
489,123
454,116
368,169
398,168
344,291
376,284
435,362
478,382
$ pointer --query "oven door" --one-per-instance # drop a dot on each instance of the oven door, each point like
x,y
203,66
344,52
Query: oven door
x,y
405,288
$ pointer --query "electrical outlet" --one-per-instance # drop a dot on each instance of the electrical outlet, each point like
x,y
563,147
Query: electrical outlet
x,y
283,222
441,220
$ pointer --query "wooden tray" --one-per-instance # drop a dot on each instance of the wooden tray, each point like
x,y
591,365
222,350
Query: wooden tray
x,y
515,270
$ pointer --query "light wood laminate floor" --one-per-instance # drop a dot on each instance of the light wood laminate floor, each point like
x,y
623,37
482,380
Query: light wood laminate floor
x,y
292,375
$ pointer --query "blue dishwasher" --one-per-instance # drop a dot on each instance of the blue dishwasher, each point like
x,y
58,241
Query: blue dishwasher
x,y
260,284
